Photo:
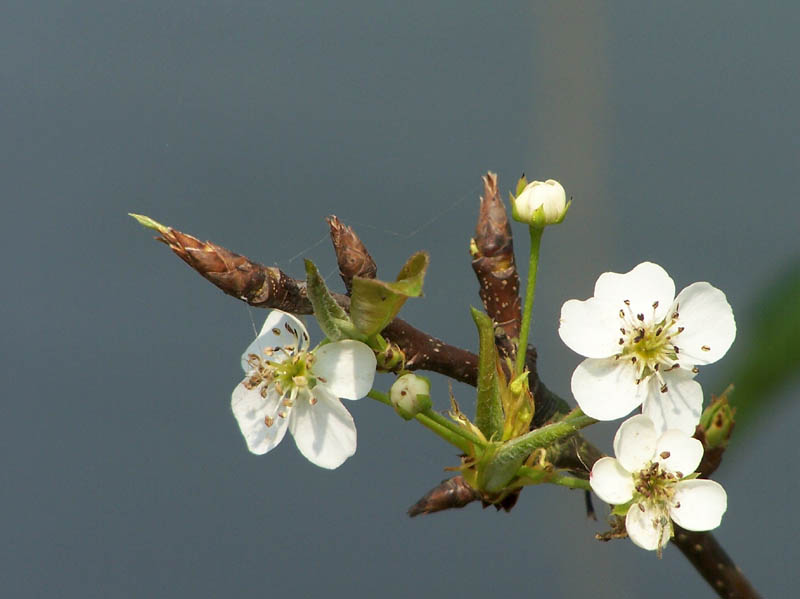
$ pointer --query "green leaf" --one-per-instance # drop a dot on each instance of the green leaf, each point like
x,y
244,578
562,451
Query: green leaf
x,y
772,358
332,318
497,466
374,303
489,408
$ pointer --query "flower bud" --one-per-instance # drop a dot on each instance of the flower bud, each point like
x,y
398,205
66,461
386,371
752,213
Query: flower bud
x,y
717,422
410,395
540,203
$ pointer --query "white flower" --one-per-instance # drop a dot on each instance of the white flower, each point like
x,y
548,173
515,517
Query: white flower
x,y
643,346
654,471
287,386
548,195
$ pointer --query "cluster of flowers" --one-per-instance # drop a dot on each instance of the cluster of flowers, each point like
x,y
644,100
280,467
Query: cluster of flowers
x,y
642,347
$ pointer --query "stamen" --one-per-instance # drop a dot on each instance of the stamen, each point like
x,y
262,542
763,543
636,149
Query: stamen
x,y
268,421
659,331
621,314
623,331
664,455
695,369
705,348
626,302
681,329
640,317
621,341
655,304
313,401
276,332
675,315
664,388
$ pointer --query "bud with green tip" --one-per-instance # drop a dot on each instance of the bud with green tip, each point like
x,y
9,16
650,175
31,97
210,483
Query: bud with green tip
x,y
539,203
410,395
717,422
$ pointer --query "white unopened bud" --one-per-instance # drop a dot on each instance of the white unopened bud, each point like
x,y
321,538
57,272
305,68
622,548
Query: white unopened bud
x,y
540,203
410,395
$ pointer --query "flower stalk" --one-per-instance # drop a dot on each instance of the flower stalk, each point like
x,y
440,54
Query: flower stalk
x,y
530,293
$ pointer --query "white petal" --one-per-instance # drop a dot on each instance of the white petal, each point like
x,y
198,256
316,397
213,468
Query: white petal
x,y
348,368
702,503
611,482
324,433
708,322
679,407
635,443
645,284
250,410
649,529
276,332
606,389
684,451
590,328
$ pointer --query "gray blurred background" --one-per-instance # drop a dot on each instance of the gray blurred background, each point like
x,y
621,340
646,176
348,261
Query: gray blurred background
x,y
674,127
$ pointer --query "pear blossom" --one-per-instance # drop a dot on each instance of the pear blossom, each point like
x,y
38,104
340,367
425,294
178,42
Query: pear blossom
x,y
288,387
655,471
548,195
643,345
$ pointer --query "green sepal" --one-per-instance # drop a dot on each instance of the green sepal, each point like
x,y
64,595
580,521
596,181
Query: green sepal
x,y
622,509
332,318
374,303
521,184
489,409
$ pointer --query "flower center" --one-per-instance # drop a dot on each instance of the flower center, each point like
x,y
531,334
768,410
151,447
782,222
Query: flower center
x,y
291,378
649,343
655,484
654,493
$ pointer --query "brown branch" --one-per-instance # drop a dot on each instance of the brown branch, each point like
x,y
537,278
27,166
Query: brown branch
x,y
269,287
710,560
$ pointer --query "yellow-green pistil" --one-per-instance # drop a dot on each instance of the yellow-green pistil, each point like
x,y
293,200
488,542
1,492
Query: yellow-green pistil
x,y
649,344
289,378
